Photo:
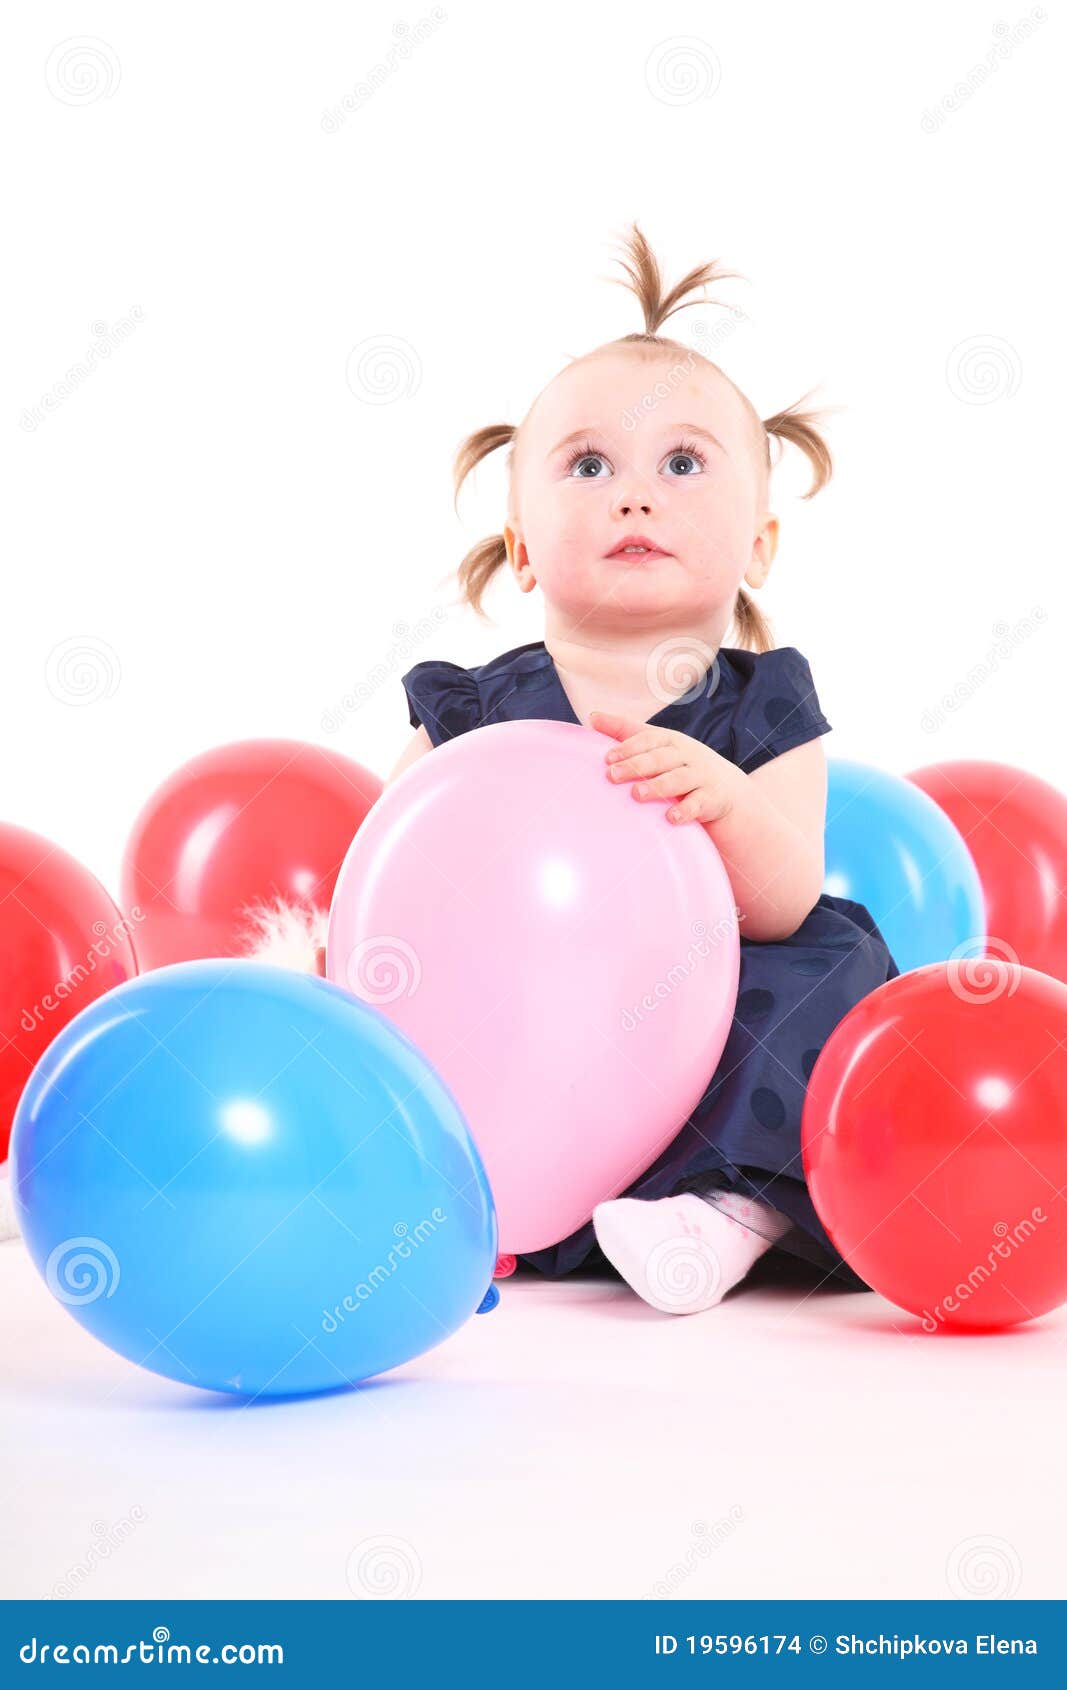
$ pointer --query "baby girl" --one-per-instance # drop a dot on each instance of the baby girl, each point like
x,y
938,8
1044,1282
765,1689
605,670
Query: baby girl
x,y
637,507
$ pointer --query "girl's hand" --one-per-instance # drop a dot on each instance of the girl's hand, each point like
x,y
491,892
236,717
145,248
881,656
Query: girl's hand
x,y
668,764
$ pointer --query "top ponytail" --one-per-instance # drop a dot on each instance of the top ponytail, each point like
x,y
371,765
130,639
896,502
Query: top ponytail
x,y
646,281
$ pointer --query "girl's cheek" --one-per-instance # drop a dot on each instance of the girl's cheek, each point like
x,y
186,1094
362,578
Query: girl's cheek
x,y
569,563
723,556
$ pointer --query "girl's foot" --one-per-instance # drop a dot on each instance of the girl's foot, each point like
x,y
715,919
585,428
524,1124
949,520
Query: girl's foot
x,y
682,1254
9,1226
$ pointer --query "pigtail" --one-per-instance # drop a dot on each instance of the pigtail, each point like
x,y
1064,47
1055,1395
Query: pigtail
x,y
484,559
478,568
646,281
753,629
477,446
797,426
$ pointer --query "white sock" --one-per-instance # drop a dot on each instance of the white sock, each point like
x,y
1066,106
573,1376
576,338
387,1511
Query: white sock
x,y
682,1254
9,1226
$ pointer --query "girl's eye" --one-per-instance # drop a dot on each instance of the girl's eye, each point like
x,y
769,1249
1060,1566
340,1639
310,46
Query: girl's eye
x,y
685,455
582,457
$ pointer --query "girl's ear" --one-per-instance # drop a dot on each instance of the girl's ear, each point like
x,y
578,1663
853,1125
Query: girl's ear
x,y
519,560
764,548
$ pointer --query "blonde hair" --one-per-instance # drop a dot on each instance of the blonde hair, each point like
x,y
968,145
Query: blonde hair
x,y
792,425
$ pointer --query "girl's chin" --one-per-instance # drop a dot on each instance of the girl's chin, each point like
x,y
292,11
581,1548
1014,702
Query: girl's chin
x,y
657,588
623,595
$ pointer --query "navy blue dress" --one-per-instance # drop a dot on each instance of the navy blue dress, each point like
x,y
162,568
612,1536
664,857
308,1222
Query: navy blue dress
x,y
744,1134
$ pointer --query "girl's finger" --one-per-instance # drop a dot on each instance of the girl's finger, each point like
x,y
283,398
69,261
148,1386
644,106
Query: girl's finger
x,y
654,762
674,784
687,809
647,740
616,727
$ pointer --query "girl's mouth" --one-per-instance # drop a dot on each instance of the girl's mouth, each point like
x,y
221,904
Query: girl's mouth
x,y
638,549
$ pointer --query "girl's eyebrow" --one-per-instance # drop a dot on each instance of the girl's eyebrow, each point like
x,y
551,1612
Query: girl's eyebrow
x,y
695,428
671,428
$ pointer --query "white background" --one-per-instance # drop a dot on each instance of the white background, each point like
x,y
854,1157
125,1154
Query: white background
x,y
216,535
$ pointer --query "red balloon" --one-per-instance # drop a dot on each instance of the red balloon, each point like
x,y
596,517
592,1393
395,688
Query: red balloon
x,y
242,825
64,944
934,1140
1015,827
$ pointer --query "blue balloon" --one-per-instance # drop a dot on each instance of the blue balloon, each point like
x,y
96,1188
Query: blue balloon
x,y
243,1178
890,847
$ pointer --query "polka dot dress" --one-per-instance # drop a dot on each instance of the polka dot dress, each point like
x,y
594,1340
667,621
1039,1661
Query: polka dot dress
x,y
744,1134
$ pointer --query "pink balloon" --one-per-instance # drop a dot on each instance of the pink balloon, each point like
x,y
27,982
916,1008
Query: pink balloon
x,y
565,956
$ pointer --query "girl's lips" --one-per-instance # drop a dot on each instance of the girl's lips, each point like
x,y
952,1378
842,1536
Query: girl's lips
x,y
637,557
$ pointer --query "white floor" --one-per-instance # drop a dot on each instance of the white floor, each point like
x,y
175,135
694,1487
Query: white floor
x,y
795,1442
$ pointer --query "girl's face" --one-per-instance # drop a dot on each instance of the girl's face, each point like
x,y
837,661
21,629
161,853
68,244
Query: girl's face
x,y
619,445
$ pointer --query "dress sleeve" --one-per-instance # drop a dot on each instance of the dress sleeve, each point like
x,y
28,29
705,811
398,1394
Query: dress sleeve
x,y
778,709
442,698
